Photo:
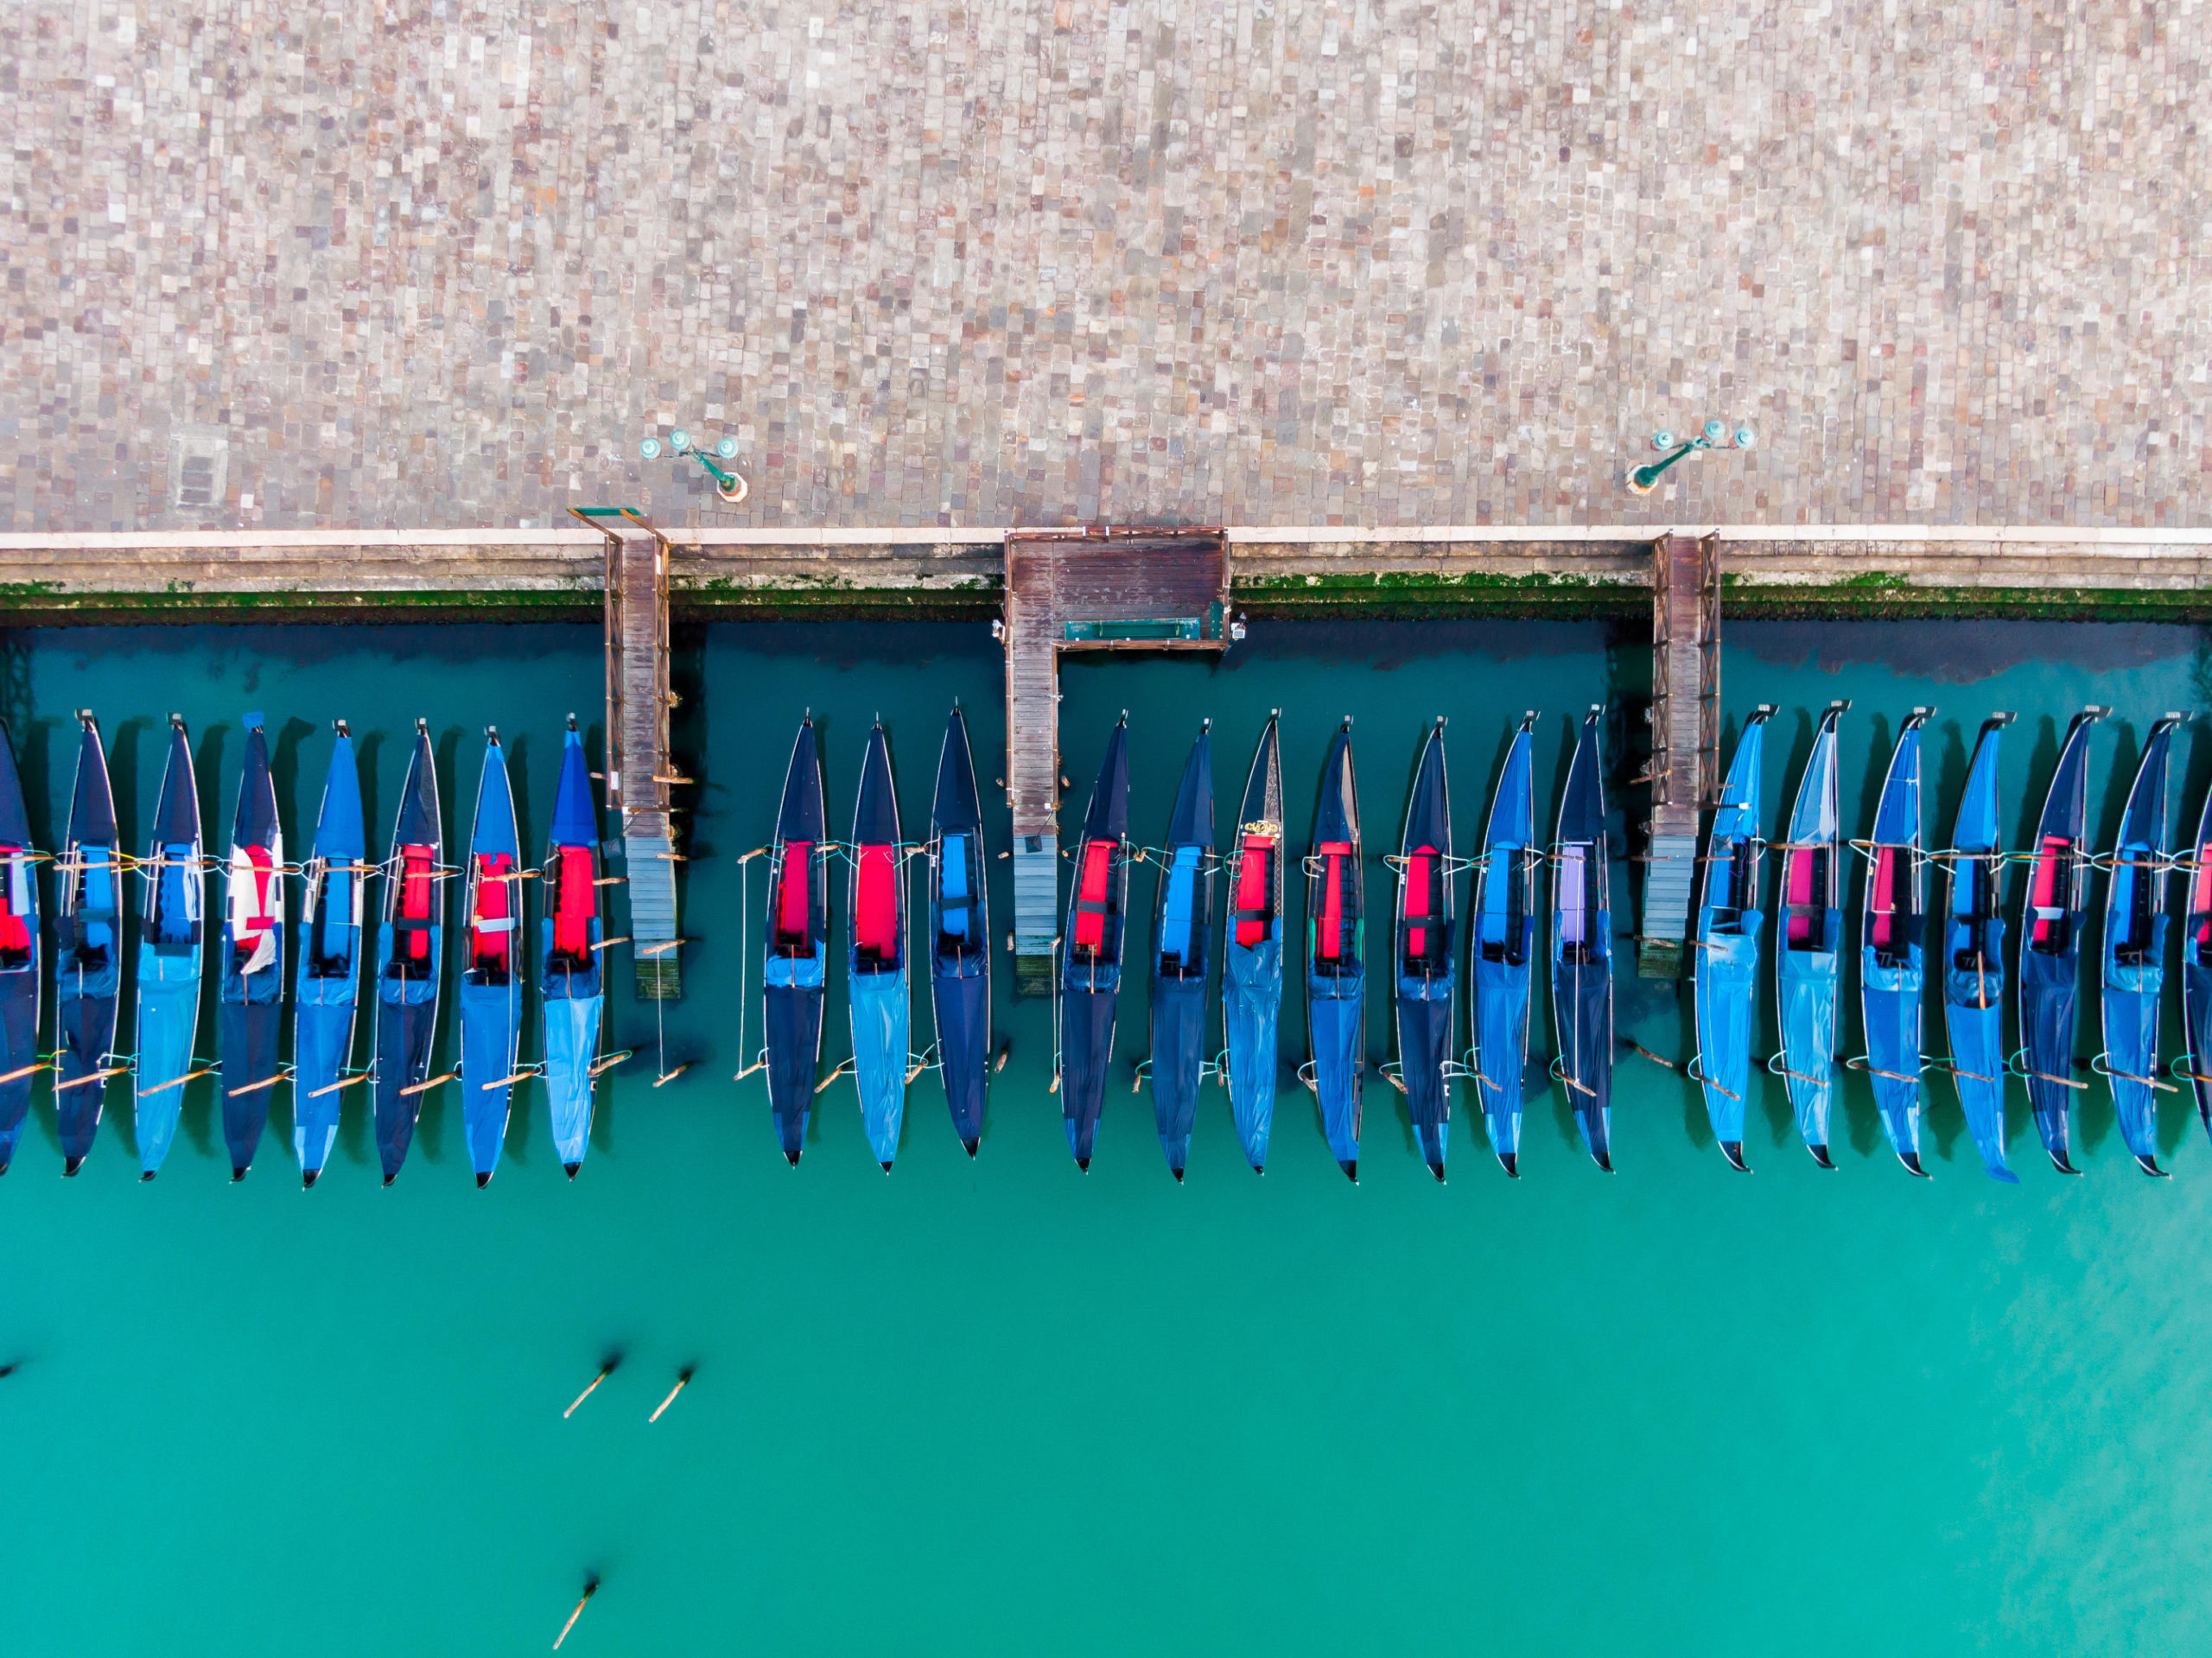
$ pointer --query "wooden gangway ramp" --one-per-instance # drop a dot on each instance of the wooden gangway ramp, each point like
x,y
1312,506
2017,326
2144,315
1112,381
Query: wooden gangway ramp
x,y
1098,589
1684,770
640,773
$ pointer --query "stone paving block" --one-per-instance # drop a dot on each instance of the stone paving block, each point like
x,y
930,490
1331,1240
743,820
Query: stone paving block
x,y
1263,261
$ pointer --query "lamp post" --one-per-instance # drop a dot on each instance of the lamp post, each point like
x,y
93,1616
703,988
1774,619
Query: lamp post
x,y
1716,436
730,486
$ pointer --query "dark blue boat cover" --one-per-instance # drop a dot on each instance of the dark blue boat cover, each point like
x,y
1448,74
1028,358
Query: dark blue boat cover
x,y
2052,912
249,996
1729,918
1891,944
797,944
410,957
2135,951
2196,968
87,949
19,954
1582,944
1091,974
573,975
491,976
1427,956
1504,949
1336,966
1973,955
172,944
960,931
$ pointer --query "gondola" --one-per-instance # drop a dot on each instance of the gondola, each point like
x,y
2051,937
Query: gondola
x,y
1336,965
571,974
1504,950
797,944
490,990
1582,945
1973,954
172,947
87,949
2135,951
960,934
1892,932
875,953
2051,941
1427,956
1251,973
1182,949
410,957
249,999
19,955
2195,1064
1091,973
1808,945
1729,920
328,993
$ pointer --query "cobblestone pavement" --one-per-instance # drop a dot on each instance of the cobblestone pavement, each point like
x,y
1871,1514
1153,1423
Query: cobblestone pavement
x,y
408,262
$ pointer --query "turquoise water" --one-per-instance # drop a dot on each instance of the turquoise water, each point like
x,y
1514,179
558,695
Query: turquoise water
x,y
998,1407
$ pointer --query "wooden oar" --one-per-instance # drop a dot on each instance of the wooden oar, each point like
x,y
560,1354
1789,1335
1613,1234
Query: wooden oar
x,y
1899,1077
605,1371
96,1077
2124,1075
1579,1088
843,1065
671,1075
591,1588
27,1070
609,1063
2063,1081
683,1381
609,943
1652,1056
418,1088
662,950
343,1081
251,1088
177,1082
1800,1077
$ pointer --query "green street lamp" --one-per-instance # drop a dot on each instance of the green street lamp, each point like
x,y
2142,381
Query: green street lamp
x,y
730,486
1716,436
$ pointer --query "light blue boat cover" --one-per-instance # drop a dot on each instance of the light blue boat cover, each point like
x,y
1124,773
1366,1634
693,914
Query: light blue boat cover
x,y
1094,943
249,960
1582,944
960,931
875,954
172,944
1505,949
1891,977
1808,941
328,990
574,994
410,957
491,966
796,942
1181,958
19,954
1728,922
2135,951
2052,913
1973,955
1336,966
1251,977
87,949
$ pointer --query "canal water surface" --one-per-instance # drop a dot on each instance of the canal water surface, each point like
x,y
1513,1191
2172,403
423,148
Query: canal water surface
x,y
1001,1407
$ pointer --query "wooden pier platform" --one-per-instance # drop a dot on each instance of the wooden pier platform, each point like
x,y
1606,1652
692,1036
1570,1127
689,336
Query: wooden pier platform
x,y
640,771
1085,590
1684,770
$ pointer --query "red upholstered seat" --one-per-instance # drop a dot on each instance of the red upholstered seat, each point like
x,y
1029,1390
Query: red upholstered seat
x,y
1333,854
794,918
1799,895
1254,891
1420,869
1091,894
2044,894
490,925
876,902
15,935
575,901
416,889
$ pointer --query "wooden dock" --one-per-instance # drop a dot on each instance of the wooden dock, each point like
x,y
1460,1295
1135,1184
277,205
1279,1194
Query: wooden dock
x,y
640,771
1684,770
1085,590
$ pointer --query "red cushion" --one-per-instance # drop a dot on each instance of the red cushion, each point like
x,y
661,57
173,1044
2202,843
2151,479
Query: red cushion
x,y
1091,889
415,897
875,903
494,901
575,901
1417,877
793,917
1333,854
1254,892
